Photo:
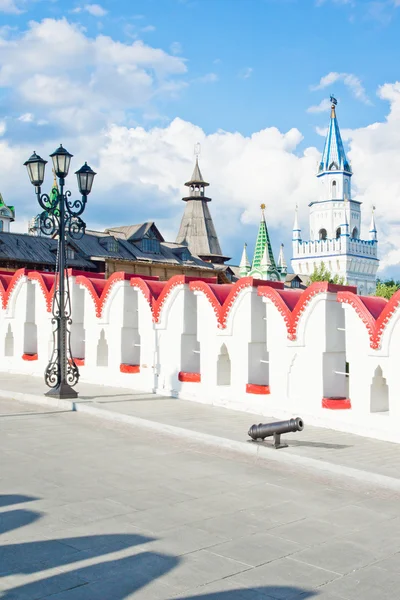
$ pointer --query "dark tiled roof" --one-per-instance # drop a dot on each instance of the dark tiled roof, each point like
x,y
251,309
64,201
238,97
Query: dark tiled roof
x,y
95,245
24,248
135,232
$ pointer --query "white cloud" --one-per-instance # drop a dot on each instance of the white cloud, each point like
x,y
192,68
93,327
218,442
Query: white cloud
x,y
86,87
176,48
350,81
26,118
95,10
323,106
100,78
208,78
245,73
148,29
241,168
9,6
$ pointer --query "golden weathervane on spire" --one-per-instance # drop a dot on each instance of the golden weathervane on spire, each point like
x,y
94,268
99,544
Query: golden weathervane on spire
x,y
263,207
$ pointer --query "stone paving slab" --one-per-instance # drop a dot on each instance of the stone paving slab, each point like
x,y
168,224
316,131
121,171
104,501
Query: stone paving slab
x,y
339,453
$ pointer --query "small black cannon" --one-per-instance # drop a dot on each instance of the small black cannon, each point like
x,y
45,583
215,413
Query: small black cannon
x,y
261,431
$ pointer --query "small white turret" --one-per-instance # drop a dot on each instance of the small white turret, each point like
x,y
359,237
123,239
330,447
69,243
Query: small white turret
x,y
244,266
265,262
282,266
296,228
373,234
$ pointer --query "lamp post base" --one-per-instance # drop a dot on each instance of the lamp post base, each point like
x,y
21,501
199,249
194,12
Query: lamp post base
x,y
62,391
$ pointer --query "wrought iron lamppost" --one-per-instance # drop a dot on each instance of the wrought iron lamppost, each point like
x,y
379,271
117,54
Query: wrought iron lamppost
x,y
61,217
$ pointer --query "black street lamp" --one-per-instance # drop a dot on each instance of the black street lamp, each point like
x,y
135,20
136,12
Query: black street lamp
x,y
61,217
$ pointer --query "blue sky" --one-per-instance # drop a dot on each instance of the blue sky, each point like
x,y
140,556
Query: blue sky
x,y
218,66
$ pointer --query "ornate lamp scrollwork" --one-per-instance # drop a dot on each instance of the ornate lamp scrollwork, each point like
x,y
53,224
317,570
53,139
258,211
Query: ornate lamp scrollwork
x,y
61,218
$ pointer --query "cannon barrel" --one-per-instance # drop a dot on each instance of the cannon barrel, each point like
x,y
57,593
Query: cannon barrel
x,y
269,429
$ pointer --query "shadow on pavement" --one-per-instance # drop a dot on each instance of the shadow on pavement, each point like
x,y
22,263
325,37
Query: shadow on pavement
x,y
317,444
13,519
110,580
30,557
113,579
8,499
268,592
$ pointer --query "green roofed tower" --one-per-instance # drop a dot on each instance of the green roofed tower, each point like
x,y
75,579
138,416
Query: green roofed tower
x,y
264,264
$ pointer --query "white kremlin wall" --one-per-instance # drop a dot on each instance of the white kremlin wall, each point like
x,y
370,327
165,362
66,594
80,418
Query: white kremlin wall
x,y
251,346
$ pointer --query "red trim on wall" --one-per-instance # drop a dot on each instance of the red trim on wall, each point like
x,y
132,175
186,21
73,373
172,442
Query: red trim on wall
x,y
8,282
47,285
336,403
375,313
124,368
223,296
157,292
99,289
28,356
189,377
80,362
292,303
254,388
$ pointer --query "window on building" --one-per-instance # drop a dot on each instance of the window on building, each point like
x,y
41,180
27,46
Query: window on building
x,y
322,234
150,245
185,255
112,245
354,233
333,189
295,283
70,253
338,232
1,225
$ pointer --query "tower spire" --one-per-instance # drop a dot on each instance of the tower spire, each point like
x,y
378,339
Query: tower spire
x,y
263,244
373,234
244,266
296,228
197,229
282,266
334,157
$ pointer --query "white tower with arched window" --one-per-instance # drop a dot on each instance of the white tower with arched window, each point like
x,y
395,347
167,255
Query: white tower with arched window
x,y
335,222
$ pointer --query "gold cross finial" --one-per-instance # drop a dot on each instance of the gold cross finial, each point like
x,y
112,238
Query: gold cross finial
x,y
263,207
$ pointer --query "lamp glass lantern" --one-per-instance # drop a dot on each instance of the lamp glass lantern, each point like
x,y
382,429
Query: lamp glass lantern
x,y
61,161
85,176
35,166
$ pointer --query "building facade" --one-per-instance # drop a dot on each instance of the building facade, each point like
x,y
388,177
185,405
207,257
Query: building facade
x,y
335,223
264,265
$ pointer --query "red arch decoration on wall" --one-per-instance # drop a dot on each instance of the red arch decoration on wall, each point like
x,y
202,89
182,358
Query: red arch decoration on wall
x,y
99,289
375,313
292,303
46,282
157,292
223,296
8,282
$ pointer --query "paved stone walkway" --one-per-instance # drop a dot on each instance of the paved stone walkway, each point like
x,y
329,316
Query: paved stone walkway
x,y
95,510
371,461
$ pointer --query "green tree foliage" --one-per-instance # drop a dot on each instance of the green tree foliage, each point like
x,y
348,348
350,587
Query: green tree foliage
x,y
386,289
321,273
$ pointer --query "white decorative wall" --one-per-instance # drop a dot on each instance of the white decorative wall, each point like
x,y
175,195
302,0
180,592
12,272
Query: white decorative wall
x,y
325,353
